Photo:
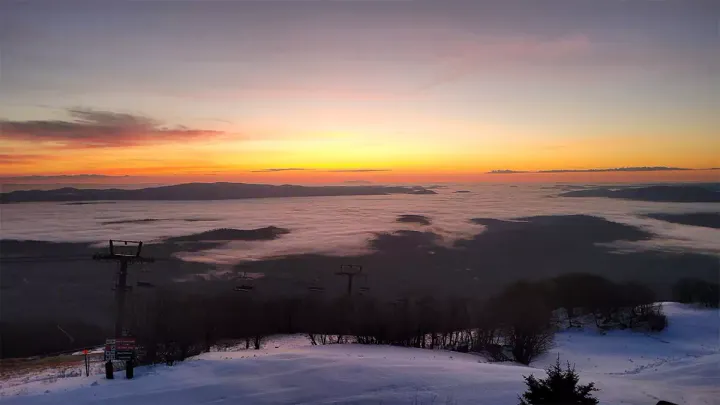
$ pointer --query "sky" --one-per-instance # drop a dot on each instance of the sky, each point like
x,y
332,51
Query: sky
x,y
298,91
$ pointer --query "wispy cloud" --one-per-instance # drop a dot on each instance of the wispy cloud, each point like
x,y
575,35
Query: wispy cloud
x,y
20,159
468,57
359,182
358,170
602,170
299,169
89,128
63,177
505,171
617,169
280,169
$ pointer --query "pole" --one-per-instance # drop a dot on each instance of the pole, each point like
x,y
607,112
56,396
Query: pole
x,y
124,259
109,370
120,299
129,366
87,364
350,280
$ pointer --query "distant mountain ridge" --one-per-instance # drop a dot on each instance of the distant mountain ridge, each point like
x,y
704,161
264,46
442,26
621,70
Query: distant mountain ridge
x,y
203,191
665,193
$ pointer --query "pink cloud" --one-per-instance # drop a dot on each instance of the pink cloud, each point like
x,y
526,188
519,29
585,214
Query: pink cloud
x,y
296,93
455,53
91,128
467,57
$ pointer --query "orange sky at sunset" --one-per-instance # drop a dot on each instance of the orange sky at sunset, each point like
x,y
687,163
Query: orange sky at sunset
x,y
285,92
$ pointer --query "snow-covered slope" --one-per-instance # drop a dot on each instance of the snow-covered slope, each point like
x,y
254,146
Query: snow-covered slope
x,y
681,364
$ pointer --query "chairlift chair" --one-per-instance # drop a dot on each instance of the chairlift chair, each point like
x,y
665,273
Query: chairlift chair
x,y
246,286
363,288
143,268
399,302
316,287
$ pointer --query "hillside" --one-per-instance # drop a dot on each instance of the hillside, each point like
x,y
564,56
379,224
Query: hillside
x,y
679,365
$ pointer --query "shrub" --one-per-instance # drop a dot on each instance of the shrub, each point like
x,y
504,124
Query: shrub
x,y
650,317
657,322
528,343
559,387
525,323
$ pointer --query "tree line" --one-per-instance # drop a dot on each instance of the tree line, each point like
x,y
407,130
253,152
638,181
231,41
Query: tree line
x,y
516,324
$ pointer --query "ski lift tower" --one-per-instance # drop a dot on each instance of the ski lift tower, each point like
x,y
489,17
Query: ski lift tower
x,y
350,271
124,252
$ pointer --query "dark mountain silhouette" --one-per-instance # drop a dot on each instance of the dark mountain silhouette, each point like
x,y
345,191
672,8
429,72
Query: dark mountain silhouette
x,y
89,203
203,191
601,170
266,233
132,221
505,171
152,220
705,219
412,218
617,169
675,193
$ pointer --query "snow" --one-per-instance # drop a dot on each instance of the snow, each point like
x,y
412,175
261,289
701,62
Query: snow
x,y
680,364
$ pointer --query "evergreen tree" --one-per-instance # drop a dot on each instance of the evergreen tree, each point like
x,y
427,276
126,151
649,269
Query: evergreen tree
x,y
559,388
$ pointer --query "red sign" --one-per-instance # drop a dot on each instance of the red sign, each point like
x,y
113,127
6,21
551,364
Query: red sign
x,y
122,348
125,343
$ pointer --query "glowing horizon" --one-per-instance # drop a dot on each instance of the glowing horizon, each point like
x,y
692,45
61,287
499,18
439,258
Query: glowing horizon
x,y
378,91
